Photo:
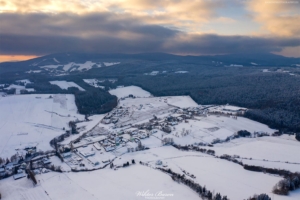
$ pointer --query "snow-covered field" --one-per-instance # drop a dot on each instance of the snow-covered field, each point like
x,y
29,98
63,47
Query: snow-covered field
x,y
181,72
125,91
73,66
65,85
107,64
36,119
181,101
276,149
94,83
101,184
33,71
153,73
33,120
228,178
18,87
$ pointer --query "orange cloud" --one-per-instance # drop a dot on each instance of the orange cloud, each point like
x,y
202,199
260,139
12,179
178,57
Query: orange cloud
x,y
176,13
277,16
8,58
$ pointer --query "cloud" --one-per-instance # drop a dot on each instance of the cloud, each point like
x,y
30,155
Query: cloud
x,y
175,13
133,26
38,34
278,17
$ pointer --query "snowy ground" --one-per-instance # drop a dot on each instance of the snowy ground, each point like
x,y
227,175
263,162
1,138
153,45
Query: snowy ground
x,y
181,101
65,85
125,91
18,87
276,149
34,120
102,184
94,83
72,66
107,64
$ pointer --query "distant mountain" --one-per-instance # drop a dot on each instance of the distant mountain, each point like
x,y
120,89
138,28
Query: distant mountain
x,y
60,60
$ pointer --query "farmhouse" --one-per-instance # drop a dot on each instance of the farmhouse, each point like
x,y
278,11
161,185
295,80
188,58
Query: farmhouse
x,y
46,161
93,161
109,148
87,154
158,162
67,155
2,172
19,175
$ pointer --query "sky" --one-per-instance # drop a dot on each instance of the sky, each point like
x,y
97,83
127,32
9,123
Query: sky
x,y
31,28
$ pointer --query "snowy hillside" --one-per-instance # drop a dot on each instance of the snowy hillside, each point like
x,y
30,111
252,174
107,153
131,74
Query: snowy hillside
x,y
135,150
34,120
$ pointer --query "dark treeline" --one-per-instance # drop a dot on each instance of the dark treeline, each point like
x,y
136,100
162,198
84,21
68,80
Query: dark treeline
x,y
290,182
201,190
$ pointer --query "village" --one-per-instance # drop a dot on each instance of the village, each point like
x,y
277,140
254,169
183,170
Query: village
x,y
156,132
128,128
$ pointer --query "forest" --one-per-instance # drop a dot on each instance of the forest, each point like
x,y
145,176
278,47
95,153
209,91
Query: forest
x,y
272,98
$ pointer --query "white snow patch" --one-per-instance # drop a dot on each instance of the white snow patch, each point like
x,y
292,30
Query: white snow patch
x,y
87,65
107,64
125,91
181,101
25,81
153,73
181,72
55,60
94,83
19,88
33,71
68,66
50,66
76,66
235,65
65,85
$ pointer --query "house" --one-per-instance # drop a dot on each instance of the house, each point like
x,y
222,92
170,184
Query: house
x,y
23,165
46,161
19,175
9,166
87,154
159,162
30,148
67,155
109,148
36,171
118,140
44,170
93,161
174,123
153,131
167,129
2,172
106,161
